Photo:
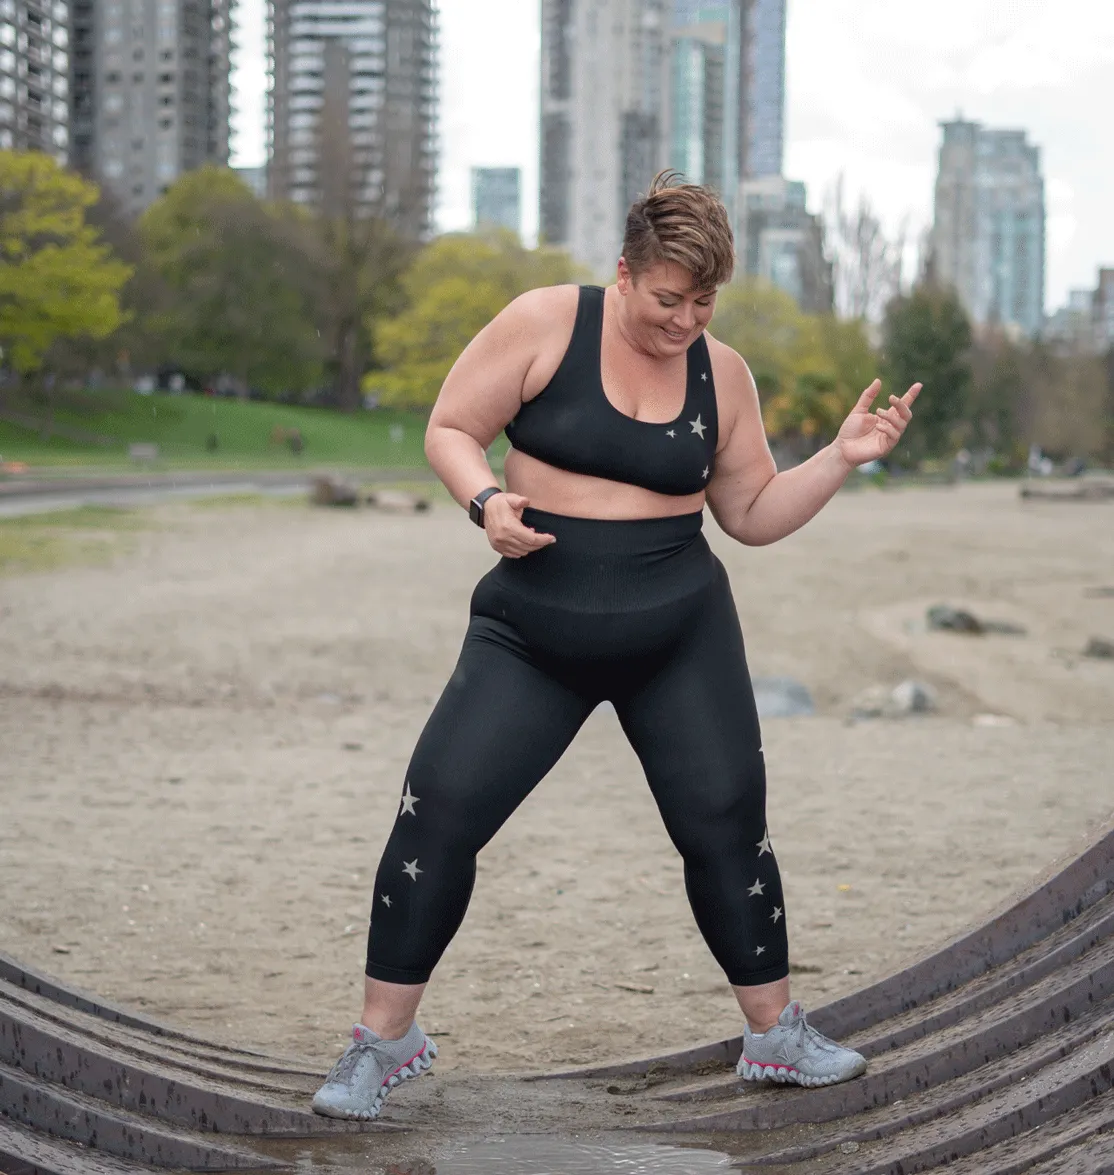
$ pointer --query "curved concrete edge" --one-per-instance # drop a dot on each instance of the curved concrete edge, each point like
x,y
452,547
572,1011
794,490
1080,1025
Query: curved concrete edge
x,y
1073,883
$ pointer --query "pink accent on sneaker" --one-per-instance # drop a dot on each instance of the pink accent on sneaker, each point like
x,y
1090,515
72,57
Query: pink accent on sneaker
x,y
772,1065
404,1065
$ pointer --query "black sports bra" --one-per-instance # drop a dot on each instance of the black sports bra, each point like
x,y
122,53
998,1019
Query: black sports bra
x,y
573,425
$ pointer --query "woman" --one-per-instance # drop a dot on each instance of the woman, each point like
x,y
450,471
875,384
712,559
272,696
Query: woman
x,y
625,418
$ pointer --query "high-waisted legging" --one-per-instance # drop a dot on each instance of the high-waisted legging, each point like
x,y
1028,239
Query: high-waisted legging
x,y
637,613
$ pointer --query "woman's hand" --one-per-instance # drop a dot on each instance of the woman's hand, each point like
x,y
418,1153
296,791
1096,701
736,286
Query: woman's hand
x,y
868,436
505,530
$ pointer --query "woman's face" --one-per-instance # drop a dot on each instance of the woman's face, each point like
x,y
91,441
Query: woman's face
x,y
663,310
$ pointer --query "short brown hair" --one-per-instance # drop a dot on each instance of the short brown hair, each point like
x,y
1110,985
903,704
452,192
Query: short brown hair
x,y
683,223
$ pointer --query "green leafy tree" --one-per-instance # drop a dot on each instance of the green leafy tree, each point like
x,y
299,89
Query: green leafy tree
x,y
927,339
241,278
453,288
809,369
57,279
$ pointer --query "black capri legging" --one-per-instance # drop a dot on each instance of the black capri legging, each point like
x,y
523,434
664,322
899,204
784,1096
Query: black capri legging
x,y
638,613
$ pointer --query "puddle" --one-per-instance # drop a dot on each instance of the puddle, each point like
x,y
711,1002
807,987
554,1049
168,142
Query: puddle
x,y
526,1155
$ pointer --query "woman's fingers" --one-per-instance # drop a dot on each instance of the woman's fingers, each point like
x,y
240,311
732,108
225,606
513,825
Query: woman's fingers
x,y
518,541
867,398
901,408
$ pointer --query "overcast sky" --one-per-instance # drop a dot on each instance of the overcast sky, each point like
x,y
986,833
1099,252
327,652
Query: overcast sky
x,y
867,83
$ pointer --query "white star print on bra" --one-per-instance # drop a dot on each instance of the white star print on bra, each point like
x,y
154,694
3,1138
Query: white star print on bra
x,y
763,845
671,433
776,914
756,889
707,470
758,951
698,426
408,801
412,870
386,901
704,376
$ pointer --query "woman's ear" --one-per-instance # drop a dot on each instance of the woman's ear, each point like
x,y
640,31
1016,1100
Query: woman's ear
x,y
624,280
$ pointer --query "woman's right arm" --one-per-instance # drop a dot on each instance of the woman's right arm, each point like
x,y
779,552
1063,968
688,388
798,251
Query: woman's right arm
x,y
481,394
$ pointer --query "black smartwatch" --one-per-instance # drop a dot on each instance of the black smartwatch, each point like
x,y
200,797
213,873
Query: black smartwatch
x,y
476,505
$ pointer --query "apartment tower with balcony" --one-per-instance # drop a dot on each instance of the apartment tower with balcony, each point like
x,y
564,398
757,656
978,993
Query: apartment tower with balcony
x,y
352,108
150,92
35,76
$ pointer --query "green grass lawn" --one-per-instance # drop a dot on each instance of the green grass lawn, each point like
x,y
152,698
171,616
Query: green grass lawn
x,y
45,542
181,425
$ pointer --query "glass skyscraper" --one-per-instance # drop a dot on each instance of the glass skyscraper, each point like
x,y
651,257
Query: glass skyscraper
x,y
496,198
763,107
988,234
632,86
704,92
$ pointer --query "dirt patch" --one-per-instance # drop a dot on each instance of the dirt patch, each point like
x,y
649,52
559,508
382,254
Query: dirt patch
x,y
204,743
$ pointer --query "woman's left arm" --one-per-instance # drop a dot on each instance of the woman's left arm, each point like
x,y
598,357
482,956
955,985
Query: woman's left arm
x,y
754,503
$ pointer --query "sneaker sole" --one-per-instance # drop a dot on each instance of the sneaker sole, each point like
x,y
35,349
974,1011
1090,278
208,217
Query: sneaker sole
x,y
415,1067
787,1075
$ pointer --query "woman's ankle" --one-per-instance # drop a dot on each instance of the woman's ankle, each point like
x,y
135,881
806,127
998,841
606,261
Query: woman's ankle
x,y
385,1027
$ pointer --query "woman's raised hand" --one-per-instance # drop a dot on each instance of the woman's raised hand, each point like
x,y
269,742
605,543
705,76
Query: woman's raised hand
x,y
506,531
868,436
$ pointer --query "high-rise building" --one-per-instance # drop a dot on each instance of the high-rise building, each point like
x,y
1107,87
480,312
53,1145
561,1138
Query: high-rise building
x,y
255,178
632,86
602,99
351,114
781,242
34,76
762,110
988,233
497,198
150,92
1103,310
705,92
1086,322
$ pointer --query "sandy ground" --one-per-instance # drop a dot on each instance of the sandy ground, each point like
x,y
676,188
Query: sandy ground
x,y
202,747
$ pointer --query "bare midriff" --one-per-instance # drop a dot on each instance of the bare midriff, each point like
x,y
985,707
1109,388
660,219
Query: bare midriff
x,y
578,495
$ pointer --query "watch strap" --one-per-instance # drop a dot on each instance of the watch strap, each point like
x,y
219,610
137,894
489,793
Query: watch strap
x,y
476,506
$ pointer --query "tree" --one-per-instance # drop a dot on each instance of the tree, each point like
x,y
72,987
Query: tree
x,y
453,288
1068,396
241,278
927,339
133,346
1000,406
57,279
809,369
866,264
360,259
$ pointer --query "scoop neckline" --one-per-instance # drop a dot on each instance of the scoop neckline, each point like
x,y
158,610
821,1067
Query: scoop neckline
x,y
679,418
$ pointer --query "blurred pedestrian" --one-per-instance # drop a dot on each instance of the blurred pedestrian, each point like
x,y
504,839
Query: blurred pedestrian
x,y
625,418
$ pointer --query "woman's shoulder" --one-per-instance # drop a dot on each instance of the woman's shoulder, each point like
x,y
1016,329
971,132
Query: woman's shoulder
x,y
538,320
544,303
728,366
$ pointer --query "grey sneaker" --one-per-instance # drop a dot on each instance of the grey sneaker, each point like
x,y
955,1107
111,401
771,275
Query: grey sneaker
x,y
793,1051
369,1069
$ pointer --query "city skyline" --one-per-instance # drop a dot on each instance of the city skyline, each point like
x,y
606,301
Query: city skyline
x,y
859,100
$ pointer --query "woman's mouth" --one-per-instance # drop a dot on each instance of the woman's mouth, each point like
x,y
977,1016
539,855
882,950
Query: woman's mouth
x,y
675,336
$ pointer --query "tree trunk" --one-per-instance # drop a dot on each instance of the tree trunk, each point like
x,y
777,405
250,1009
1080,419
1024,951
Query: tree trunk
x,y
348,367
